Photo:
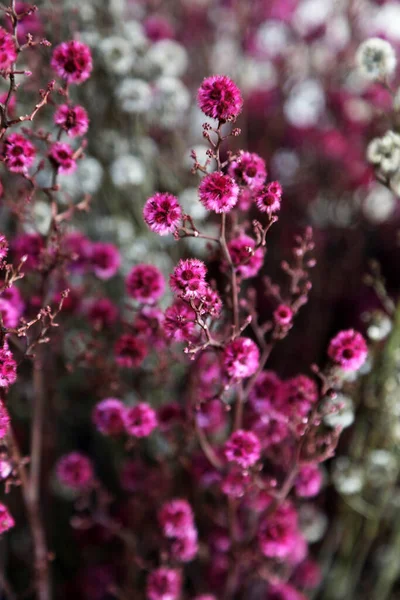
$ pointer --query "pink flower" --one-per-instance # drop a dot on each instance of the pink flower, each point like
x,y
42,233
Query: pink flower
x,y
247,261
235,484
149,323
73,119
8,367
298,395
3,247
140,420
175,518
271,429
188,278
30,245
8,50
145,283
75,471
348,350
249,169
268,199
308,481
243,448
77,247
109,416
72,61
19,153
241,358
130,351
62,157
162,213
157,28
211,415
184,549
179,322
283,315
265,392
6,520
283,591
9,313
164,584
102,312
218,192
277,536
220,98
210,303
105,260
4,420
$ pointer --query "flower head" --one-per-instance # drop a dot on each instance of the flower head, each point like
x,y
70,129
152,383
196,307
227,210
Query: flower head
x,y
162,213
308,481
130,351
249,169
179,323
62,157
268,199
19,153
376,59
220,98
140,420
218,192
265,392
283,315
4,420
109,416
8,50
105,260
3,247
29,245
348,350
278,533
72,61
102,312
6,520
241,358
298,395
145,283
176,517
164,584
188,278
246,260
73,119
8,367
243,448
75,471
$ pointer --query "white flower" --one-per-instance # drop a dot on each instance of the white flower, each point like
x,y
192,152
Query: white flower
x,y
379,327
313,522
376,59
171,101
86,179
117,54
112,144
168,58
127,170
134,95
189,200
339,412
134,32
379,205
272,38
347,477
305,104
384,152
381,468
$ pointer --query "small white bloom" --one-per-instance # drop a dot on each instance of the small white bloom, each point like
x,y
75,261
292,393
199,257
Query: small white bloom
x,y
134,95
112,144
134,32
313,522
117,54
376,59
127,170
305,104
272,38
379,327
168,58
381,468
348,478
171,101
379,204
41,218
339,411
384,152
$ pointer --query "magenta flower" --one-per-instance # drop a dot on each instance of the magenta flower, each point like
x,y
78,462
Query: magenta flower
x,y
211,415
268,199
246,260
211,303
235,484
105,260
220,98
175,518
140,420
185,548
75,471
148,324
19,153
188,278
162,213
4,420
179,322
73,119
9,313
298,395
308,574
61,156
241,358
218,192
249,169
265,392
278,534
8,367
30,245
102,312
283,315
348,350
6,520
77,247
145,283
8,50
72,61
164,584
243,448
3,247
308,482
130,351
109,416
